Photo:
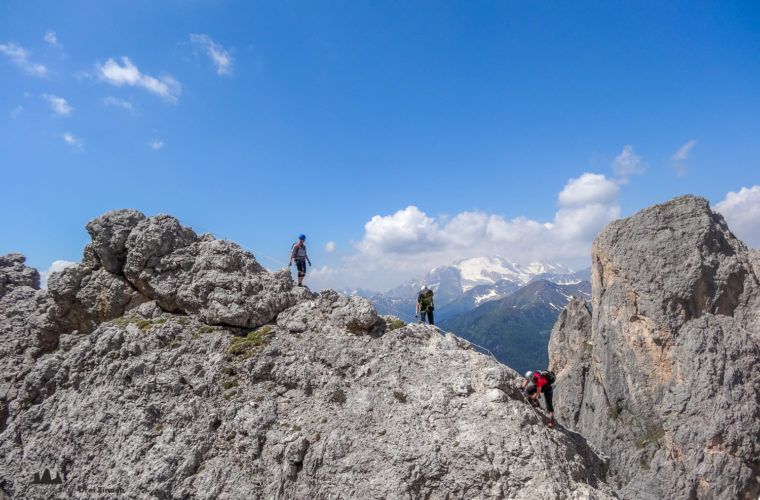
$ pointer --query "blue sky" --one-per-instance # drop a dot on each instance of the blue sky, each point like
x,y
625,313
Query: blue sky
x,y
396,135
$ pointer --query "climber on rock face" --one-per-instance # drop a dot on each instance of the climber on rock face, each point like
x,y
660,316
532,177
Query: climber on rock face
x,y
425,305
298,252
540,382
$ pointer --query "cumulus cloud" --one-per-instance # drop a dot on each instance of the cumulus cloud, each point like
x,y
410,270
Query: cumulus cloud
x,y
330,246
742,212
156,144
58,265
220,57
128,74
588,188
20,57
626,164
118,103
52,39
58,104
76,144
410,242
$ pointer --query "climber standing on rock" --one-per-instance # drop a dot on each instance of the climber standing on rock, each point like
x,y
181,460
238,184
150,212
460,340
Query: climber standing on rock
x,y
540,382
425,305
298,252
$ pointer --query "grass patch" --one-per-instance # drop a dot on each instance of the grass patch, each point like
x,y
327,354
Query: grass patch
x,y
318,437
176,341
456,444
229,395
161,321
124,321
229,384
653,435
396,324
206,329
296,428
613,411
182,321
158,428
243,346
324,420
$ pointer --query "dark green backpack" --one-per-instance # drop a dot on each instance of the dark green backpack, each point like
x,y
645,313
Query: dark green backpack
x,y
549,376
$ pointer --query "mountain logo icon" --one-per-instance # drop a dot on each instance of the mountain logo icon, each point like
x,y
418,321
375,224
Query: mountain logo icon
x,y
46,479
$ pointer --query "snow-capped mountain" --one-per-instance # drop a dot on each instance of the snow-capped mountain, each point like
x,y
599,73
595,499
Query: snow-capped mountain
x,y
469,283
491,276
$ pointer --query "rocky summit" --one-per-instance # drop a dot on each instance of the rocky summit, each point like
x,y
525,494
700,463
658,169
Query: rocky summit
x,y
172,365
661,373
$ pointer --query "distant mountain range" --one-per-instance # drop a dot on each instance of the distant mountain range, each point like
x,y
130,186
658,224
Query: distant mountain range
x,y
516,328
469,283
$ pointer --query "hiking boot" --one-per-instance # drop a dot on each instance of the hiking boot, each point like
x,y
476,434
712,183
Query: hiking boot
x,y
300,284
551,423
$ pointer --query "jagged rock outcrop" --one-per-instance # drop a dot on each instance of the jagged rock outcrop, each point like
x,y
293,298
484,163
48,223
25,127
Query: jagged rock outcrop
x,y
663,375
174,399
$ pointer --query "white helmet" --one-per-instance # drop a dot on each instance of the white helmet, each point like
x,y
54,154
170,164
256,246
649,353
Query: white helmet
x,y
424,289
529,375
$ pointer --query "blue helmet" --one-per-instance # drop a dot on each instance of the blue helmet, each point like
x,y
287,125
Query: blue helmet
x,y
302,237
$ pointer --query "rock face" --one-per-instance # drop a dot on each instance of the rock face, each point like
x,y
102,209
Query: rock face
x,y
171,365
663,375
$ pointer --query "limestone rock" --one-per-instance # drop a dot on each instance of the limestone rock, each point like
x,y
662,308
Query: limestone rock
x,y
214,280
331,310
171,365
167,407
26,331
109,234
13,273
665,380
85,298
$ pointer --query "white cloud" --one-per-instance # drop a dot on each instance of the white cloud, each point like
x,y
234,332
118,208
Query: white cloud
x,y
330,246
76,144
52,39
156,144
626,164
742,212
683,152
17,111
58,265
118,103
409,242
59,104
128,74
218,54
588,188
20,58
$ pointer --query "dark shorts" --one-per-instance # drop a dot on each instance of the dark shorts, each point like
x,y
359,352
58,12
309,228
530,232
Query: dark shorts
x,y
546,391
301,266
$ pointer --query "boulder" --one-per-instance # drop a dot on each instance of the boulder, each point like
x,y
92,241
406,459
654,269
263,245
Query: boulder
x,y
663,380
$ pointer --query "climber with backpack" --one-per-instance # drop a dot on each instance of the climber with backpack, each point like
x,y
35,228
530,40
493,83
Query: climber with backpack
x,y
298,252
537,383
425,305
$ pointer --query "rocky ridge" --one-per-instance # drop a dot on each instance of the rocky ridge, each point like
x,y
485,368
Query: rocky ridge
x,y
171,365
662,375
